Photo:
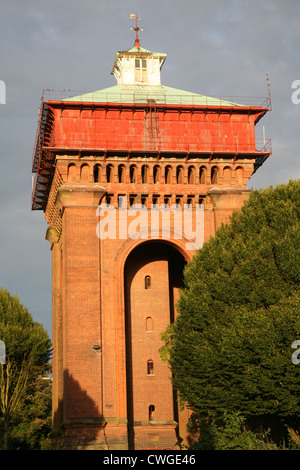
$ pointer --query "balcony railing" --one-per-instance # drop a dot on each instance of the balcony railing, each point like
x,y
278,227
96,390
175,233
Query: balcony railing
x,y
155,97
162,144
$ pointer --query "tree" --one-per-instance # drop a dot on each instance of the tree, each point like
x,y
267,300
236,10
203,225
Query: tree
x,y
27,357
12,387
230,348
34,430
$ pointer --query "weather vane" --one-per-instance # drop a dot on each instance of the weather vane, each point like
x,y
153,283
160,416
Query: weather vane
x,y
136,29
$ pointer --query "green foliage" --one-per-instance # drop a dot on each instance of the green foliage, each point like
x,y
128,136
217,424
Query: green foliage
x,y
229,434
230,348
23,337
28,351
33,429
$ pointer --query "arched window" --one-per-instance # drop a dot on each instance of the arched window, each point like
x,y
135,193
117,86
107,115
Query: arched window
x,y
144,174
147,282
227,175
132,173
149,324
109,173
178,202
151,413
239,175
132,199
202,175
155,200
72,172
108,199
191,175
150,367
167,201
214,175
168,174
156,174
179,175
121,173
84,173
97,173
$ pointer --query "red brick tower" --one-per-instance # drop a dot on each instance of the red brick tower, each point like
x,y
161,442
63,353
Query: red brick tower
x,y
129,177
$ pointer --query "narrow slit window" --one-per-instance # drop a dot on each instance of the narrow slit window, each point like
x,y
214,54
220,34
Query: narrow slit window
x,y
168,175
147,282
132,174
144,174
108,199
167,201
214,175
155,200
202,175
96,173
191,175
178,202
122,201
156,174
151,413
108,174
132,200
121,173
150,367
179,175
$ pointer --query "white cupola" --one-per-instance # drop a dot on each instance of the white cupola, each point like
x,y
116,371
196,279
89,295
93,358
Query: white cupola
x,y
138,66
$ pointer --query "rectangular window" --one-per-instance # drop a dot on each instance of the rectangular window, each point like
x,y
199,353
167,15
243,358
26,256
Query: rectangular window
x,y
141,70
150,367
141,63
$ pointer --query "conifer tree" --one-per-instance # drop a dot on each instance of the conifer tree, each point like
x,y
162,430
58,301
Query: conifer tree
x,y
230,350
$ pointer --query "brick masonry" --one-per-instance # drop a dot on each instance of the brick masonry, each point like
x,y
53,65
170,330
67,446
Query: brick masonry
x,y
107,393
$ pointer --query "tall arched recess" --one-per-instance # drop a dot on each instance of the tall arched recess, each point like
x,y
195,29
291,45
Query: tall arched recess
x,y
163,265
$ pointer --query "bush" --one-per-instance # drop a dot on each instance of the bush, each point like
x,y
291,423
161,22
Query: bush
x,y
229,434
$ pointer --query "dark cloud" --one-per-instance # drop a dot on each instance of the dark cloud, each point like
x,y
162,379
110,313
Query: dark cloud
x,y
214,47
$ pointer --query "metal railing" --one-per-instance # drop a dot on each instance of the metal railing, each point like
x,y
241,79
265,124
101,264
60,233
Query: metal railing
x,y
156,97
167,144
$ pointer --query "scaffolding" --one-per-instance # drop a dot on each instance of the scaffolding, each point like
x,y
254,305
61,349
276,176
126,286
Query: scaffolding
x,y
153,139
160,96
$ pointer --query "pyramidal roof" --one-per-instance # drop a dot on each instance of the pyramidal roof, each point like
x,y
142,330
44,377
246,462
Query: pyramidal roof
x,y
145,94
137,72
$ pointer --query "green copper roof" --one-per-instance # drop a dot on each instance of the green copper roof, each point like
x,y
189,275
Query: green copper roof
x,y
143,94
143,50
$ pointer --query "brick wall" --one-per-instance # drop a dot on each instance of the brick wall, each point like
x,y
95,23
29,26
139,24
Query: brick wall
x,y
106,325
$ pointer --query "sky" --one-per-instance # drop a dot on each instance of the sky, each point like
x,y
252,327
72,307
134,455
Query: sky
x,y
214,47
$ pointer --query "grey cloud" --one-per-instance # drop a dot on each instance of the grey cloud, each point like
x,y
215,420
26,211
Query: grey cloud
x,y
214,47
